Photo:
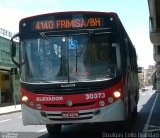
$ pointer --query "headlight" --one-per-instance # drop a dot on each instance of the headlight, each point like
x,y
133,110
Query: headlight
x,y
117,94
25,99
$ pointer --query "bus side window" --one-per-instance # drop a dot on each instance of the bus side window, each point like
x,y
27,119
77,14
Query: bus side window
x,y
135,66
124,53
128,54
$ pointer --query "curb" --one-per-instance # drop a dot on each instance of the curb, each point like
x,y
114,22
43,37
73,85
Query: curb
x,y
10,109
10,112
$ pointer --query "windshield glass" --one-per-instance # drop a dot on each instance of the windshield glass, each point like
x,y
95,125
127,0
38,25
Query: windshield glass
x,y
70,58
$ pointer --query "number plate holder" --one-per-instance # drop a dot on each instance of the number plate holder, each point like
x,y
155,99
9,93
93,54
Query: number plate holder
x,y
70,114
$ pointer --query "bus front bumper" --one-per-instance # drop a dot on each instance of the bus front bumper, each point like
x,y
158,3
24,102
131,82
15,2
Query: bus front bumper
x,y
112,112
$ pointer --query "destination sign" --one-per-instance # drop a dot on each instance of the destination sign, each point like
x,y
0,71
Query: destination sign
x,y
68,23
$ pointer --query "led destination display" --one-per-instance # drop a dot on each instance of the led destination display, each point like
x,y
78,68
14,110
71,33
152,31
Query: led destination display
x,y
67,23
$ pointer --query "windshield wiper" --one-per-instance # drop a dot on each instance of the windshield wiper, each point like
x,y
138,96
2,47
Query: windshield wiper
x,y
85,44
49,81
45,37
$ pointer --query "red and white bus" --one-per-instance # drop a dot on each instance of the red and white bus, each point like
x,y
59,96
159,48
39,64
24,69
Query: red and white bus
x,y
76,67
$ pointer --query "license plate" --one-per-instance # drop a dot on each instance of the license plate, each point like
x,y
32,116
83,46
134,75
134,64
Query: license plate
x,y
70,114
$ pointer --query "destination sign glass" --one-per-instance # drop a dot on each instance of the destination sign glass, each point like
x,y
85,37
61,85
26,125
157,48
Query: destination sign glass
x,y
67,23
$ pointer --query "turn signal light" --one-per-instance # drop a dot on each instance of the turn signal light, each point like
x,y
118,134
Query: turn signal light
x,y
110,100
38,106
31,103
101,103
117,94
24,98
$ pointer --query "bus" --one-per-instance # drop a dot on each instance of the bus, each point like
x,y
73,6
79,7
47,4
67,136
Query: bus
x,y
76,67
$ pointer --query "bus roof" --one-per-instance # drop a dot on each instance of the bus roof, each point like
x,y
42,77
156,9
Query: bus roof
x,y
71,12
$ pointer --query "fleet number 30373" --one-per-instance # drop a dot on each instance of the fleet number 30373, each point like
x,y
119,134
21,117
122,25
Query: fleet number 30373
x,y
95,96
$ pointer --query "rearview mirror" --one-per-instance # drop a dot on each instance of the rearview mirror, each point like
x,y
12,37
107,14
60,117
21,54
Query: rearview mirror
x,y
13,50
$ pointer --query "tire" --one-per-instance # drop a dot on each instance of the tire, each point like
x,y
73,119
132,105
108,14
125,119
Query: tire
x,y
128,118
125,124
53,128
134,113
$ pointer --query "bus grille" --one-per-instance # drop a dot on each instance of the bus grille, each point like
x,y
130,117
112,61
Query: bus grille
x,y
69,119
74,105
58,116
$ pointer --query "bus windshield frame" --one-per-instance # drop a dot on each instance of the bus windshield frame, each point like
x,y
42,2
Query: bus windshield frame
x,y
70,55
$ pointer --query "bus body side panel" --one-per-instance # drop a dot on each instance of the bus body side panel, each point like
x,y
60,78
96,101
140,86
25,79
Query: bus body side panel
x,y
130,75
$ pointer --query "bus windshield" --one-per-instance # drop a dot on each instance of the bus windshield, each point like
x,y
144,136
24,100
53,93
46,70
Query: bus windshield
x,y
70,58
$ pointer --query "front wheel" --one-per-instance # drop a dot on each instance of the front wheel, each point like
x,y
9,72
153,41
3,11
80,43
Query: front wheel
x,y
53,128
134,113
